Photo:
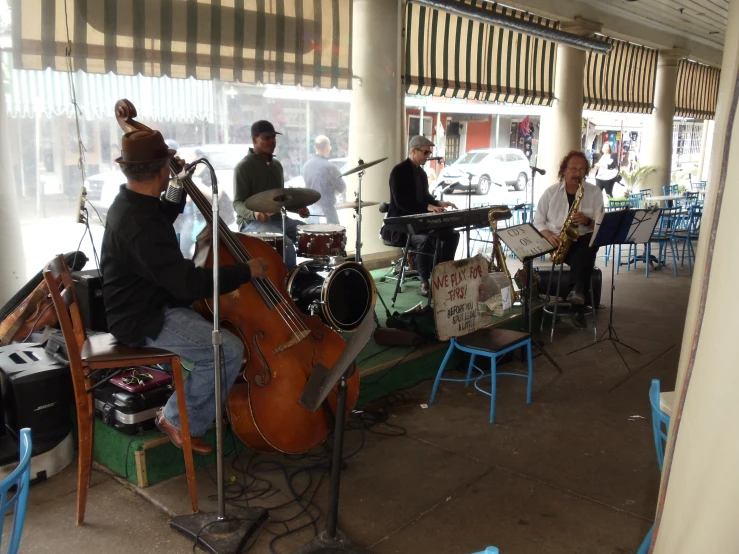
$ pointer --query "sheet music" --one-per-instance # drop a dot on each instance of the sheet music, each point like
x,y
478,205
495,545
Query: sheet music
x,y
525,241
624,227
642,226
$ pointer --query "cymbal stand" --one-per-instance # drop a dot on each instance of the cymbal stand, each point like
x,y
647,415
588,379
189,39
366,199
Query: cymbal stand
x,y
283,211
358,216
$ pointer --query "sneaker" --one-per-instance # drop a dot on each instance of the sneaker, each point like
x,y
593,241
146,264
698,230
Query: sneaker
x,y
576,298
424,291
578,319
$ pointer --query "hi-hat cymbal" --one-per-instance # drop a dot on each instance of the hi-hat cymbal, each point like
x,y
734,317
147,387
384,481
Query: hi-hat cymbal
x,y
272,201
362,166
354,205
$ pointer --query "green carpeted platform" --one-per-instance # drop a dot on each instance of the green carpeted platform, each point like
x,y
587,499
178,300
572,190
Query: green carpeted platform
x,y
149,458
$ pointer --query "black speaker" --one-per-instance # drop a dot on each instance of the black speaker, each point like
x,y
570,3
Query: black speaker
x,y
36,393
565,288
88,288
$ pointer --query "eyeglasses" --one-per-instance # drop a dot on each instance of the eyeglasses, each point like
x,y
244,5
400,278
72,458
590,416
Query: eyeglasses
x,y
426,152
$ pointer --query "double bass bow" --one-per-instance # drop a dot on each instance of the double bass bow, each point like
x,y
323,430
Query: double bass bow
x,y
282,345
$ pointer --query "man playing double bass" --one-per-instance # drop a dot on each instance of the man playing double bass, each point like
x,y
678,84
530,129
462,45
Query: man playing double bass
x,y
148,286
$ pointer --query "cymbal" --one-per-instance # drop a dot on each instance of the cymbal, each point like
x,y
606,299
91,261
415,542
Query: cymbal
x,y
354,205
271,201
362,167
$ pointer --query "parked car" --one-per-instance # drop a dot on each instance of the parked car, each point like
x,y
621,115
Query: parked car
x,y
102,188
487,166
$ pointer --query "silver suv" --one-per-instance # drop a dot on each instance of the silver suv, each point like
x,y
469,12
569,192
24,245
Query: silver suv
x,y
502,166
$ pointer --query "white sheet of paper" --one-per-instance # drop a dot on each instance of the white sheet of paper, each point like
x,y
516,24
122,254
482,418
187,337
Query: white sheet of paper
x,y
524,240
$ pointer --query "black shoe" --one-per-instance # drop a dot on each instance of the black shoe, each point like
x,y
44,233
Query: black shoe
x,y
576,298
578,319
424,290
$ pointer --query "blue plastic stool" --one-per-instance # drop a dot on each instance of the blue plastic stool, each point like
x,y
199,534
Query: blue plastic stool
x,y
490,343
19,478
489,550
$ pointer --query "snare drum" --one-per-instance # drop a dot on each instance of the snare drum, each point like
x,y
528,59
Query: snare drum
x,y
340,295
321,241
273,239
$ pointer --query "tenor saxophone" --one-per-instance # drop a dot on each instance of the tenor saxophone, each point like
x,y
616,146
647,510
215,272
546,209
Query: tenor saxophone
x,y
569,232
498,262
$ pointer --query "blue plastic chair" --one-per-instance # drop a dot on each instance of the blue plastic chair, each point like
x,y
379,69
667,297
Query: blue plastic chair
x,y
660,427
19,478
488,343
489,550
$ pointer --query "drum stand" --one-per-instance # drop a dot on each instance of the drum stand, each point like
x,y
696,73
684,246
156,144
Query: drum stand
x,y
283,212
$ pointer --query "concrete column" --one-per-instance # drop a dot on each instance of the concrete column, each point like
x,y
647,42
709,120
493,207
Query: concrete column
x,y
12,261
657,142
562,124
704,147
377,112
697,504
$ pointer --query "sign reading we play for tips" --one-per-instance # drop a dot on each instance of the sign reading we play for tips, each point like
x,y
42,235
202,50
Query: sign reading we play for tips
x,y
455,289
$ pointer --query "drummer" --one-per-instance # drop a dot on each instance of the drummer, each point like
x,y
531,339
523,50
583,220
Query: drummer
x,y
257,172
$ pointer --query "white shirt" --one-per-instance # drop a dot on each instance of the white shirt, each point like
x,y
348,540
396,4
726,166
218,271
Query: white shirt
x,y
553,208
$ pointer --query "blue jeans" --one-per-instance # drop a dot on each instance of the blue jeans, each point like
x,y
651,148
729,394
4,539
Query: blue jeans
x,y
188,334
275,226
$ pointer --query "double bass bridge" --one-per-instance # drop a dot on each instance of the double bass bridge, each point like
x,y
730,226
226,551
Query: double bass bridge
x,y
295,339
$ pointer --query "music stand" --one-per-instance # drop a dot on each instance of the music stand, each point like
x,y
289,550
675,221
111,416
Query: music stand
x,y
614,228
319,386
527,243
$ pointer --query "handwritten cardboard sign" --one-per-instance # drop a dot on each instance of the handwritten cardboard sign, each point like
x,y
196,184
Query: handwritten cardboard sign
x,y
525,241
455,288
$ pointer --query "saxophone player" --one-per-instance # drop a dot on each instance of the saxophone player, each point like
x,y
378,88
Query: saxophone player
x,y
553,211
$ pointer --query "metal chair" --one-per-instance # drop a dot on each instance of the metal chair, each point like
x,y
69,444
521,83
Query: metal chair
x,y
97,352
488,343
19,478
551,306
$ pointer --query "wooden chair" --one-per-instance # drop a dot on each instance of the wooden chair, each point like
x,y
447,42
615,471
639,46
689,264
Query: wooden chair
x,y
90,354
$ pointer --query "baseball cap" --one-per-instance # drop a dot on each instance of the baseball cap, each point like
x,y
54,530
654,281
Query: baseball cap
x,y
420,141
263,127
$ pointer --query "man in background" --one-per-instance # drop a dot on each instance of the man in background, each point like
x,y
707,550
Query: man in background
x,y
322,176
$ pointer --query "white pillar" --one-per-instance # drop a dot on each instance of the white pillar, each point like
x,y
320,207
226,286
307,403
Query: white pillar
x,y
562,124
704,146
377,112
657,144
12,260
700,478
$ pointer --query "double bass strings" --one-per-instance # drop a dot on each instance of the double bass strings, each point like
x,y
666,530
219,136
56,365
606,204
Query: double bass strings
x,y
265,287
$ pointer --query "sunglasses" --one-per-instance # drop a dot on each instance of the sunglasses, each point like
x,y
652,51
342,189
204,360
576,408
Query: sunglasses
x,y
426,152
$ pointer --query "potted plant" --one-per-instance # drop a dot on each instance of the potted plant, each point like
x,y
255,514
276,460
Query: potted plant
x,y
631,179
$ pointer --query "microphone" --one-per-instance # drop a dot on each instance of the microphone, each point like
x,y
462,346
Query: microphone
x,y
437,159
539,170
174,188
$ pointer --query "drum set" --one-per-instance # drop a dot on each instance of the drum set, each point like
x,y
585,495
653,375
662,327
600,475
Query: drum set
x,y
340,291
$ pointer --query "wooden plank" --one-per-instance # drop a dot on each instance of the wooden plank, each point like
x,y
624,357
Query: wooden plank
x,y
140,456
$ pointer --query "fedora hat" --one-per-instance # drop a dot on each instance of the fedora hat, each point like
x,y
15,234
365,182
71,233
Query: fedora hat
x,y
140,147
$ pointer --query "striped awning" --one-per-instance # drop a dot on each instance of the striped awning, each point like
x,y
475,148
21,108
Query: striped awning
x,y
622,80
291,42
156,98
452,56
696,91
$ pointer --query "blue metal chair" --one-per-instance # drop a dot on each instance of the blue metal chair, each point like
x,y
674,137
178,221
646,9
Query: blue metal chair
x,y
687,233
660,426
635,200
615,205
670,221
489,550
488,343
20,479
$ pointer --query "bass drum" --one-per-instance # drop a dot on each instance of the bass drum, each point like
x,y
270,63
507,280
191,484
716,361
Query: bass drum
x,y
340,295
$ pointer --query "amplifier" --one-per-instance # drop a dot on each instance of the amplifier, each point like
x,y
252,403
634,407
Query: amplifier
x,y
88,288
565,288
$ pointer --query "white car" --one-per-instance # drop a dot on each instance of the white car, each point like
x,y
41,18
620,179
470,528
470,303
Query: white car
x,y
487,166
103,187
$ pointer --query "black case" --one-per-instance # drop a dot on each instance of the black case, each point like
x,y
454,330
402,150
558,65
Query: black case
x,y
88,288
130,413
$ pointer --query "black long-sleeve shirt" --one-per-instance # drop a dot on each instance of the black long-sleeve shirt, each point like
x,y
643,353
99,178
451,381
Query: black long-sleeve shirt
x,y
409,194
143,269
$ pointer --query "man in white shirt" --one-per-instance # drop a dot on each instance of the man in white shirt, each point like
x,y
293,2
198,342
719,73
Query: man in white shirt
x,y
551,212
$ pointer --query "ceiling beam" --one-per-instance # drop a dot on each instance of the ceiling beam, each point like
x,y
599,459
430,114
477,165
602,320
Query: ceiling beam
x,y
619,23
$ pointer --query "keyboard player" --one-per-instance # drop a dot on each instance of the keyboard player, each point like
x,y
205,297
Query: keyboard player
x,y
409,195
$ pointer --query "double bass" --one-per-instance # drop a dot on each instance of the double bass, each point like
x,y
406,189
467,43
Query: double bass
x,y
281,344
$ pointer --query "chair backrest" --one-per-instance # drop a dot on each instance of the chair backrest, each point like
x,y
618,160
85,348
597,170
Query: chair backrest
x,y
646,193
674,189
20,478
691,198
670,221
635,200
666,190
61,288
660,423
619,204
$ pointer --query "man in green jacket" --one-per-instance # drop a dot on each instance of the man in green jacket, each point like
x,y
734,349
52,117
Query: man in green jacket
x,y
257,172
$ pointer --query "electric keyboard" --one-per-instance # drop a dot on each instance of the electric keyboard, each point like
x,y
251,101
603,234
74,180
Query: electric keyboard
x,y
453,219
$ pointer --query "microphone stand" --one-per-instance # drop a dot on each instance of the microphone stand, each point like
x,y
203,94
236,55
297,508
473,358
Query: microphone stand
x,y
216,532
469,207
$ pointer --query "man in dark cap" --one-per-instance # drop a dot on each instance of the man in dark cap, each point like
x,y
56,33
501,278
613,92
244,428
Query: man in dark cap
x,y
409,194
257,172
148,286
